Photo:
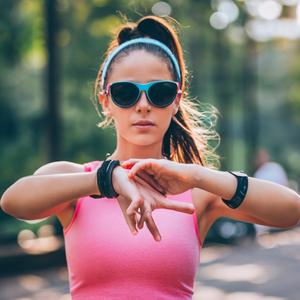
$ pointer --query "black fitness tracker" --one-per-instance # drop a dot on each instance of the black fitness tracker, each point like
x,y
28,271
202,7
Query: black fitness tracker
x,y
241,190
104,179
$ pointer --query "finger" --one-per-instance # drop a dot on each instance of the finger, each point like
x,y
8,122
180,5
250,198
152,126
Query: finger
x,y
147,217
142,220
127,164
146,165
147,180
145,212
134,206
133,194
143,209
152,227
133,223
130,222
177,205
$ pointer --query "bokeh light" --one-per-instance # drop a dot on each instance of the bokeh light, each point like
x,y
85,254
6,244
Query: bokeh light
x,y
289,2
161,9
230,9
252,7
269,9
219,20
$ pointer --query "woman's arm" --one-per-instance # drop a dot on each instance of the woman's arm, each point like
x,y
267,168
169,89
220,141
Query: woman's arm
x,y
54,186
48,191
265,202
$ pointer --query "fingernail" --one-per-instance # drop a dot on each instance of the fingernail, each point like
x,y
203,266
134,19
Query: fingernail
x,y
134,232
158,238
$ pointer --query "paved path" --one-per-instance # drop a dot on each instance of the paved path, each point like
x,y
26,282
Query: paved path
x,y
266,270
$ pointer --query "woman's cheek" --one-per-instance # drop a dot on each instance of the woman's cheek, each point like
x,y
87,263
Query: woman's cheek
x,y
165,125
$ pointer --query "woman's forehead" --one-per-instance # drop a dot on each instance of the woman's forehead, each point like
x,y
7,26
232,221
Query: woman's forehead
x,y
140,64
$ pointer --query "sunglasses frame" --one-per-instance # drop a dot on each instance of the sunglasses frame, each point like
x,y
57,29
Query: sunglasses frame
x,y
143,87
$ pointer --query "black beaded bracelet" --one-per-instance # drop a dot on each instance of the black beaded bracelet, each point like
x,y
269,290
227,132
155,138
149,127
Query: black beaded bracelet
x,y
241,190
104,179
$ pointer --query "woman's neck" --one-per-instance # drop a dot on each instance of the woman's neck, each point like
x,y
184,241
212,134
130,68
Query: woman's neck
x,y
136,152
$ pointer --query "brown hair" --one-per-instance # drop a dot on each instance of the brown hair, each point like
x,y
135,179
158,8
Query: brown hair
x,y
187,138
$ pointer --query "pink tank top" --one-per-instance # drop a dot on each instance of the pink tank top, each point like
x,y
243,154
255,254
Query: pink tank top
x,y
105,261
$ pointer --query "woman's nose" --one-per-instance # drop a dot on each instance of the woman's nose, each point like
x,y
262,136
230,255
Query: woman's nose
x,y
143,103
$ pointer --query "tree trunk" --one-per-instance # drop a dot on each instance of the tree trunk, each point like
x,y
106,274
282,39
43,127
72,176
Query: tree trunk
x,y
53,120
251,115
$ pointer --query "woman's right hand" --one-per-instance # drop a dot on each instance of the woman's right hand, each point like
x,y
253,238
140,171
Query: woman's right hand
x,y
128,196
138,197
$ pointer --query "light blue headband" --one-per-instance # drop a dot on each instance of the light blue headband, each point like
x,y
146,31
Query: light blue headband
x,y
140,41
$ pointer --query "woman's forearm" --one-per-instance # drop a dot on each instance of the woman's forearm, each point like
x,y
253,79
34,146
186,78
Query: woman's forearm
x,y
41,195
270,202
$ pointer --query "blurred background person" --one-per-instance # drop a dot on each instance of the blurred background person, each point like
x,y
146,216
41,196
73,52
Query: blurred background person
x,y
269,170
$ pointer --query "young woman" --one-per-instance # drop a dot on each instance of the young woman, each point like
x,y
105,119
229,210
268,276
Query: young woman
x,y
164,158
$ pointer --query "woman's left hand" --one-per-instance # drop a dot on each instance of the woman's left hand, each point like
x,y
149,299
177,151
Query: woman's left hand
x,y
166,176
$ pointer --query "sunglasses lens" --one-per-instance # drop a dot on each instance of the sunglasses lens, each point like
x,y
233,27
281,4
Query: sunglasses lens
x,y
124,94
162,93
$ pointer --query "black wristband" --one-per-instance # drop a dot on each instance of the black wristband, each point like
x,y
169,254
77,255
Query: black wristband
x,y
241,190
104,179
100,181
110,191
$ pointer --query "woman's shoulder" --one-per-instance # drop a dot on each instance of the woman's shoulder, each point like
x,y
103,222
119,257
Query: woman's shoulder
x,y
60,167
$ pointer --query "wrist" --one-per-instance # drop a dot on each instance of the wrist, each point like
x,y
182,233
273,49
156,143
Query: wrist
x,y
197,175
94,184
217,182
115,175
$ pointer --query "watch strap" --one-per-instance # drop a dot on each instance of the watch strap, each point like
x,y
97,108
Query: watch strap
x,y
241,190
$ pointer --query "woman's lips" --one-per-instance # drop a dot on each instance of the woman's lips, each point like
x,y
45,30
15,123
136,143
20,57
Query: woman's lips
x,y
143,122
143,126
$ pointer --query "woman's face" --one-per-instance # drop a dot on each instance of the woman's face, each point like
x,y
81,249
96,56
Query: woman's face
x,y
139,66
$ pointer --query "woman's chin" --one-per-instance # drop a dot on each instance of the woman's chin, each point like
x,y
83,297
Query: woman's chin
x,y
144,140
